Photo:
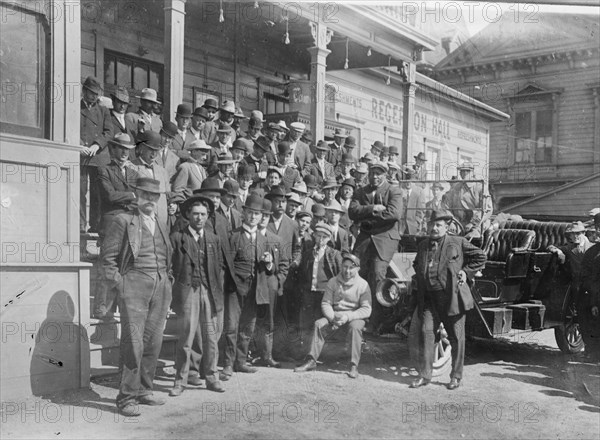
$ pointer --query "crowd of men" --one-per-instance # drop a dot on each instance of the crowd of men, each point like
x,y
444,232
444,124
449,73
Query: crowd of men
x,y
245,233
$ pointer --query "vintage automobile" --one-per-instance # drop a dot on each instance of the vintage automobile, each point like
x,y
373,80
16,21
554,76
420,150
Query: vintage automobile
x,y
522,287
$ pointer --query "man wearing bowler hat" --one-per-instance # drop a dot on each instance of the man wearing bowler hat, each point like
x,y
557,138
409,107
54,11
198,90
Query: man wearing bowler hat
x,y
257,160
377,148
301,154
378,207
212,106
346,304
95,131
149,147
394,154
227,207
255,125
444,267
136,261
419,167
334,156
319,166
199,118
344,169
247,288
349,145
145,119
197,295
184,137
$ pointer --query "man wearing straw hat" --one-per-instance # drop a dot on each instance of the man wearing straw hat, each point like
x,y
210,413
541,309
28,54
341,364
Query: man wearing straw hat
x,y
136,260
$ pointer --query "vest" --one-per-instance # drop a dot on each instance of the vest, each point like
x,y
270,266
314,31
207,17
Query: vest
x,y
152,257
244,262
433,282
200,274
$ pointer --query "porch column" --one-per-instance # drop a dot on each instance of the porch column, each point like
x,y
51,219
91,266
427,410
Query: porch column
x,y
318,54
408,108
174,42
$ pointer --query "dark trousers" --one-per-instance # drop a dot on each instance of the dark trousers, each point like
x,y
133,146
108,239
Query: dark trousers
x,y
144,302
373,269
95,211
323,330
310,311
198,328
240,320
434,311
589,325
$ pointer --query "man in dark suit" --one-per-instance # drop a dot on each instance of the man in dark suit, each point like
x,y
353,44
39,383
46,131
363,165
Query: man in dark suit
x,y
120,99
290,175
227,206
377,206
166,157
197,294
444,266
136,260
319,166
340,237
301,153
247,287
94,130
257,160
414,201
334,156
183,138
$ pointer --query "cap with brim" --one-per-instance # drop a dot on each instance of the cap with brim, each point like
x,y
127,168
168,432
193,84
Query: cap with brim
x,y
349,182
150,139
293,198
93,85
225,159
339,133
440,214
437,185
275,169
122,140
276,191
575,227
298,126
362,168
379,165
262,143
197,197
302,214
274,126
318,210
330,183
351,257
202,112
198,144
300,188
223,128
323,146
120,94
170,129
323,227
211,185
184,111
149,95
254,202
310,181
267,207
232,187
335,206
210,103
240,144
149,185
421,156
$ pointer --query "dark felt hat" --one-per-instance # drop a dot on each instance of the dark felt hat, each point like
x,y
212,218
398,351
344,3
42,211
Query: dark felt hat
x,y
202,112
210,103
440,214
149,185
150,139
197,197
169,128
211,185
184,110
276,191
93,85
254,201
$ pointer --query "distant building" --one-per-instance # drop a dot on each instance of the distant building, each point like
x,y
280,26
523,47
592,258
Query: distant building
x,y
545,73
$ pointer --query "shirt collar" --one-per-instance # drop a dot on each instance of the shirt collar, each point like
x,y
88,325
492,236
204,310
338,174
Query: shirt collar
x,y
195,233
148,217
146,164
248,229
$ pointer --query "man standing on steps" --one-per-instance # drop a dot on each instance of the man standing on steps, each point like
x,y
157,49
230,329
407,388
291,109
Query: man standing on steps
x,y
136,259
444,266
197,293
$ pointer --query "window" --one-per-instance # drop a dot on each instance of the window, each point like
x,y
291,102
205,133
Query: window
x,y
275,104
131,72
24,72
533,136
433,163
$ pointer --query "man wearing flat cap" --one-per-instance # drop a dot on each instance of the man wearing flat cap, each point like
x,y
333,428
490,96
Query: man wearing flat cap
x,y
378,207
95,131
346,305
301,154
319,166
145,118
444,266
136,261
197,295
255,126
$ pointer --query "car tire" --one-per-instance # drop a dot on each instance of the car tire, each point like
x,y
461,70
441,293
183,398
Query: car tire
x,y
567,335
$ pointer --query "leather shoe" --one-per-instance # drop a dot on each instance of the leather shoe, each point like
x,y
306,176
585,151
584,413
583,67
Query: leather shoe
x,y
151,400
454,384
245,369
176,391
353,373
420,382
195,380
309,365
130,410
215,386
226,373
270,362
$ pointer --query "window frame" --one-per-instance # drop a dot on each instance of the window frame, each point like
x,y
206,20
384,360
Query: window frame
x,y
134,61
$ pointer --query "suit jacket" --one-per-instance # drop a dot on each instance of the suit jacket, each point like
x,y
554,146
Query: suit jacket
x,y
180,144
414,211
170,162
133,120
95,127
315,170
380,227
121,247
287,229
261,169
236,218
334,156
185,258
117,191
342,241
291,176
332,265
239,280
302,155
189,178
118,128
166,196
277,280
456,254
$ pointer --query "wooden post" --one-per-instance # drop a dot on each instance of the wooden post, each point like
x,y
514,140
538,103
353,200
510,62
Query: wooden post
x,y
408,108
318,55
174,52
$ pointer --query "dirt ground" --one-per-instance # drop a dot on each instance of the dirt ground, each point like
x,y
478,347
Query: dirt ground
x,y
521,387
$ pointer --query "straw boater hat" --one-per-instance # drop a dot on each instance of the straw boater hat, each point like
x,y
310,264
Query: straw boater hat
x,y
339,133
465,166
298,126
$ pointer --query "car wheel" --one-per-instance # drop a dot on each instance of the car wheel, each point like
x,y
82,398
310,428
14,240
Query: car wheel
x,y
567,335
